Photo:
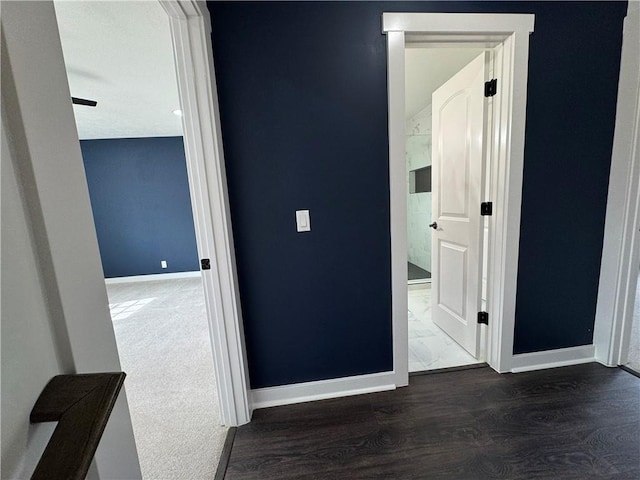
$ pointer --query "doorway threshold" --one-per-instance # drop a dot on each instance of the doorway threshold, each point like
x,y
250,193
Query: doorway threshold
x,y
449,369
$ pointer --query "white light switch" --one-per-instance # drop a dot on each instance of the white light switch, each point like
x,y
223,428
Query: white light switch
x,y
303,221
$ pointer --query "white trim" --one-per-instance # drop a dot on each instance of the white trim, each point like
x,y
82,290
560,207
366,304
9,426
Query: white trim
x,y
562,357
152,277
191,32
506,193
457,23
398,207
451,41
621,246
506,176
323,389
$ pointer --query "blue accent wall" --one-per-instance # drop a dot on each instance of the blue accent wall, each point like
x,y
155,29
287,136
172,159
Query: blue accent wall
x,y
140,199
303,103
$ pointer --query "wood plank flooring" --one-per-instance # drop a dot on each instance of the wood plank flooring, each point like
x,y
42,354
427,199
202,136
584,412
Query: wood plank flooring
x,y
580,422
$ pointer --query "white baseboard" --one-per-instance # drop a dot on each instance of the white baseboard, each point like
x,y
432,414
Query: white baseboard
x,y
561,357
148,278
323,389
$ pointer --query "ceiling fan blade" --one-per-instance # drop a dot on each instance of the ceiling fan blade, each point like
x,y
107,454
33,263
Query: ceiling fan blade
x,y
82,101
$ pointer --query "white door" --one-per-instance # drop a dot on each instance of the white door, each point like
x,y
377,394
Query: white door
x,y
458,159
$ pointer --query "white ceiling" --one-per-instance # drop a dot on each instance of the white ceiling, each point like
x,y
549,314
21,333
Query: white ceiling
x,y
120,54
427,69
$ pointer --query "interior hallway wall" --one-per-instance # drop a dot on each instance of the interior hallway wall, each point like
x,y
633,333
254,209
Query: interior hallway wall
x,y
303,108
141,205
55,316
33,348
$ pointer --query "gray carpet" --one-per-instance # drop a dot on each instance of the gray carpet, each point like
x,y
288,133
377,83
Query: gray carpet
x,y
163,341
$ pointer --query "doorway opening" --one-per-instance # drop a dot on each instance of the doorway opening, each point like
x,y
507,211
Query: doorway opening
x,y
435,79
121,56
507,37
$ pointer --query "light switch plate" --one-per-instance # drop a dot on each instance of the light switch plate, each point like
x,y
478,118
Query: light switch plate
x,y
303,221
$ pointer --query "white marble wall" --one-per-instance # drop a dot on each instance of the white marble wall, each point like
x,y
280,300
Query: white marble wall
x,y
418,155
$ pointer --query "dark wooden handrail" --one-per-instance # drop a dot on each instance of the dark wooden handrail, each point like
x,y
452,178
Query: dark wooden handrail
x,y
81,404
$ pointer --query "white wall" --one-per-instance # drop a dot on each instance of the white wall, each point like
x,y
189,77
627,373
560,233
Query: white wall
x,y
55,316
31,354
418,155
426,69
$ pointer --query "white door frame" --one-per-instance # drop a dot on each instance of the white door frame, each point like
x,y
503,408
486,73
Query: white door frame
x,y
621,246
193,52
511,69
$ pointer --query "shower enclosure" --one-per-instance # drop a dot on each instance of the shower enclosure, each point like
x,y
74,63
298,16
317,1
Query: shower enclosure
x,y
418,156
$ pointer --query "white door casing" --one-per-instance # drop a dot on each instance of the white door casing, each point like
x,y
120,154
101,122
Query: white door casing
x,y
193,52
621,245
458,121
510,33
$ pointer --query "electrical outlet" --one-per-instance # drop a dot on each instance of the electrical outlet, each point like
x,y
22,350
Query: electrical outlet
x,y
163,264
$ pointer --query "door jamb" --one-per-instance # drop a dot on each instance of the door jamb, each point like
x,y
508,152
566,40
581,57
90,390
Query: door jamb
x,y
191,35
506,175
621,245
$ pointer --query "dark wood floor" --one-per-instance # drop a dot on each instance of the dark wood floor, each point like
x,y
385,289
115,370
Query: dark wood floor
x,y
578,422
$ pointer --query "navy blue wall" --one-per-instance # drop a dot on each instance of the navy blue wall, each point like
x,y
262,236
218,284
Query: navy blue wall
x,y
303,102
140,198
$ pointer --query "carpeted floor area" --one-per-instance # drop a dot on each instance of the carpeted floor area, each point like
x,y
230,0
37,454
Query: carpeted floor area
x,y
163,341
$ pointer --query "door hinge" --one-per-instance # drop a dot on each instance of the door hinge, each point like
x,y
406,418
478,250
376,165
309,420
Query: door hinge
x,y
483,317
491,87
205,264
486,208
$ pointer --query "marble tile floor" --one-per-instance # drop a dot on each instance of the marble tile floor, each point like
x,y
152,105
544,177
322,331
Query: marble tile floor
x,y
429,347
163,342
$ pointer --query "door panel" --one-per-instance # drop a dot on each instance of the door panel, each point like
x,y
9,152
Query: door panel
x,y
458,158
454,200
453,258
